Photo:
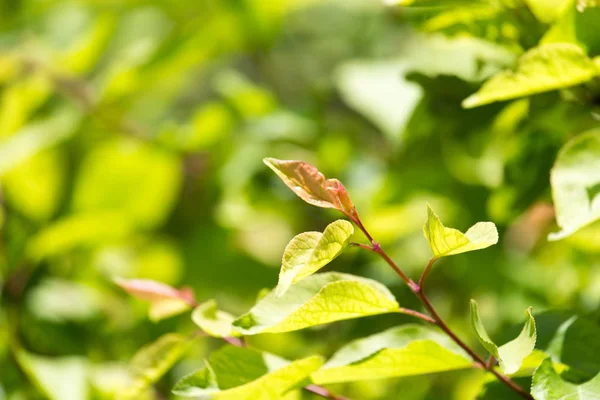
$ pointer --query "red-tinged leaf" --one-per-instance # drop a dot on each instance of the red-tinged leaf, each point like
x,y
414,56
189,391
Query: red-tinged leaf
x,y
311,186
150,290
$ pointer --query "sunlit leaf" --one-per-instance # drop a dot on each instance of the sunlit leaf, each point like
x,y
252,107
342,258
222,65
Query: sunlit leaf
x,y
233,373
213,321
548,385
317,300
130,177
547,67
401,351
575,180
61,378
448,241
165,301
310,251
547,10
511,354
311,186
151,362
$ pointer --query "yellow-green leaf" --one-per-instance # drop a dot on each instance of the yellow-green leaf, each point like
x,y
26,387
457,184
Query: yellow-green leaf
x,y
234,373
548,385
448,241
317,300
401,351
511,354
213,321
311,186
575,179
546,67
310,251
151,362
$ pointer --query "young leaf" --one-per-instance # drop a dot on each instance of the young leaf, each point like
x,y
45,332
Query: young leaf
x,y
213,321
311,186
165,301
402,351
546,67
448,241
233,373
317,300
575,180
547,385
511,354
310,251
151,362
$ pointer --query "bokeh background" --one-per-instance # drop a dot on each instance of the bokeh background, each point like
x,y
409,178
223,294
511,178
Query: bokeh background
x,y
132,135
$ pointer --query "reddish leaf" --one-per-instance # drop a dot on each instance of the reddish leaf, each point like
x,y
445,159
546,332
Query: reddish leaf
x,y
311,186
150,290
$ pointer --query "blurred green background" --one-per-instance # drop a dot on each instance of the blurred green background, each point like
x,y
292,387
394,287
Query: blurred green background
x,y
131,142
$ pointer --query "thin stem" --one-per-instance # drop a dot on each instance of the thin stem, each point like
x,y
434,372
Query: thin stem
x,y
417,289
325,393
417,314
490,362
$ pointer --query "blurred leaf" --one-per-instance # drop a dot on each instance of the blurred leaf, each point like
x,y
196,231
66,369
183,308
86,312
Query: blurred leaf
x,y
547,67
34,186
165,301
577,25
317,300
61,378
60,300
213,321
37,136
308,252
547,11
547,385
511,354
401,351
151,362
129,176
311,186
233,373
448,241
76,231
247,98
575,180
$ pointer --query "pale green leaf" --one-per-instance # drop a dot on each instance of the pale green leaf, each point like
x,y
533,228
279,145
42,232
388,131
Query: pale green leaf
x,y
63,378
510,355
448,241
546,67
130,177
310,251
151,362
317,300
548,385
401,351
547,11
311,186
575,179
233,373
213,321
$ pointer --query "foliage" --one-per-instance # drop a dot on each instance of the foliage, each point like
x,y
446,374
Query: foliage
x,y
141,232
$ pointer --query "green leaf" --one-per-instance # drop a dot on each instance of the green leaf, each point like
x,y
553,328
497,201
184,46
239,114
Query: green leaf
x,y
511,354
213,321
317,300
575,180
547,11
130,177
547,385
165,301
448,241
233,373
311,186
402,351
546,67
63,378
151,362
310,251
